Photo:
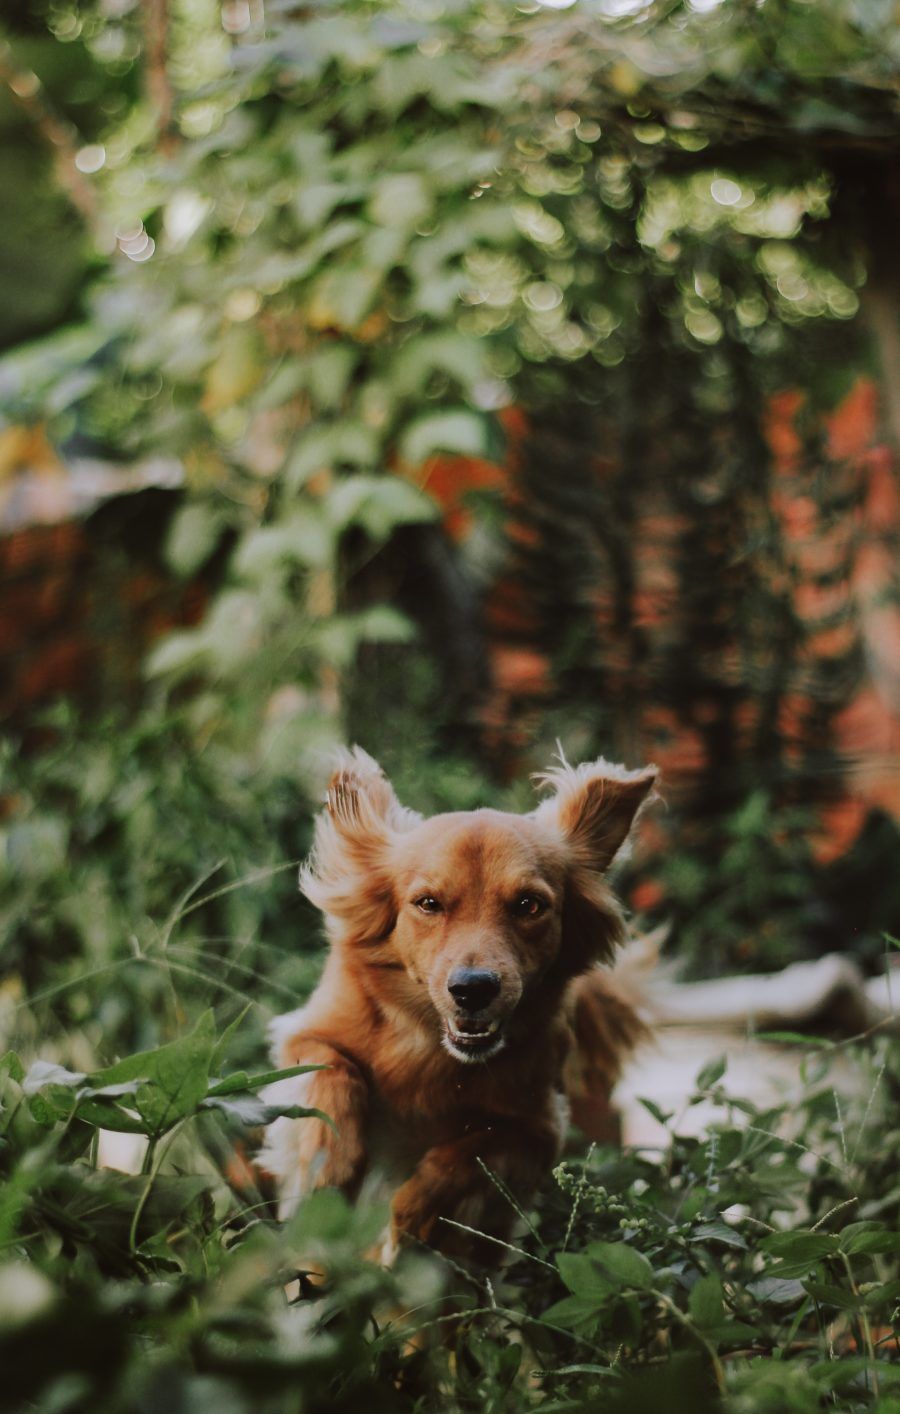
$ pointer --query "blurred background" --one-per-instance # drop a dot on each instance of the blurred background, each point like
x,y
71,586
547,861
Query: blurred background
x,y
456,378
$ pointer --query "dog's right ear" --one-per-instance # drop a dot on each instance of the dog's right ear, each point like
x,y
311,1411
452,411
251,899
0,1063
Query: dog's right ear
x,y
594,806
591,812
348,875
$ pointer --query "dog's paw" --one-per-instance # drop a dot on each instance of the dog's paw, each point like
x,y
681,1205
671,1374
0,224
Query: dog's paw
x,y
389,1250
383,1252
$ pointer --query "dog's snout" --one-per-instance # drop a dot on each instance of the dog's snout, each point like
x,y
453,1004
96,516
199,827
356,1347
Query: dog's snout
x,y
473,988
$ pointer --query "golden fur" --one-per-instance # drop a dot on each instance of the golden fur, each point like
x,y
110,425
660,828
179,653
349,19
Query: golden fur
x,y
425,1094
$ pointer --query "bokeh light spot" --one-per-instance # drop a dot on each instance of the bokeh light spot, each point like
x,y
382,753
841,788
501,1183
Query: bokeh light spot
x,y
724,191
90,158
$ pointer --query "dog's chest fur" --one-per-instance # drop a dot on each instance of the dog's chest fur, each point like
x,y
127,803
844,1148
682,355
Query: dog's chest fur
x,y
418,1097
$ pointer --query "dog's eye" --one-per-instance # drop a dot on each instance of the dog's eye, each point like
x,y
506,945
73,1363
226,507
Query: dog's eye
x,y
529,906
428,904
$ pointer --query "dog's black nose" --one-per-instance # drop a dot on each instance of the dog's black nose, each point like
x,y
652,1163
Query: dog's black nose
x,y
472,988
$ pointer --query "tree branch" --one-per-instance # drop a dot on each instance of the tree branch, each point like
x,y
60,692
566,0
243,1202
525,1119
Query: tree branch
x,y
157,84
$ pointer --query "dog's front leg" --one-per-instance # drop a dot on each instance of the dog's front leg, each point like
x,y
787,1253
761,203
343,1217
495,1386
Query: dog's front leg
x,y
454,1183
305,1154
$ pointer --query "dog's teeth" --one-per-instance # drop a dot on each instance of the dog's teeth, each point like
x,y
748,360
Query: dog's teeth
x,y
467,1036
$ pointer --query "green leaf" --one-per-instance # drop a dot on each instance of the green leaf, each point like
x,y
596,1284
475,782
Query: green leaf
x,y
42,1073
302,539
109,1092
827,1294
851,1369
705,1302
13,1066
328,373
888,1292
193,535
324,373
43,1111
694,1202
400,199
327,447
236,370
660,1115
791,1038
385,247
378,504
173,1079
718,1232
460,432
176,654
572,1312
338,638
220,1049
868,1238
105,1115
800,1243
342,298
777,1290
460,356
730,1333
583,1277
242,1081
288,379
711,1073
799,1251
315,201
622,1264
253,1111
37,848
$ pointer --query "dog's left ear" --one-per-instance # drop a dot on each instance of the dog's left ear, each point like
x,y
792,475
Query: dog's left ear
x,y
591,811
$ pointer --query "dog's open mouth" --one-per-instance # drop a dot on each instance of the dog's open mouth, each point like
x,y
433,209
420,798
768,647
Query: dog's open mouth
x,y
473,1041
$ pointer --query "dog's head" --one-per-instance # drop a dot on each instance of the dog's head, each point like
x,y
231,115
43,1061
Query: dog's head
x,y
471,914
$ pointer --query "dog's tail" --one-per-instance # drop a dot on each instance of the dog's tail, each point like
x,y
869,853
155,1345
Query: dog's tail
x,y
610,1014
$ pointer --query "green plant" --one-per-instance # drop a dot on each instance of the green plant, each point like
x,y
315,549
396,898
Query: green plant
x,y
743,892
169,1283
752,1267
132,857
347,236
335,242
766,1246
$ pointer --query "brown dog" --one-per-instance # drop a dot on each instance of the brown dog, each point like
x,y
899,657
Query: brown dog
x,y
461,1004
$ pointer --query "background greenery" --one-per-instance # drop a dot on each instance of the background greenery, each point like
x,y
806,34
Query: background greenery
x,y
462,326
461,321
